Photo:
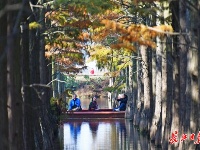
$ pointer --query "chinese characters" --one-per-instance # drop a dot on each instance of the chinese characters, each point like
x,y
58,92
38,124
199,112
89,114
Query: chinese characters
x,y
174,138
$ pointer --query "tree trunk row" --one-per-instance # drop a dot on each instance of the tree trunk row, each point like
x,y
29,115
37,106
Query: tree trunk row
x,y
168,83
24,98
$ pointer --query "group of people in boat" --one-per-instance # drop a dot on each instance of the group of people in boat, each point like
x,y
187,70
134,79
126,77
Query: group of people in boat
x,y
75,103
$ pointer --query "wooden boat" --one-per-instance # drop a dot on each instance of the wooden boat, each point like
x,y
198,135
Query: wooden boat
x,y
87,114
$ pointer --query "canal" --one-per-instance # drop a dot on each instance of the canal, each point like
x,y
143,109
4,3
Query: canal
x,y
114,134
101,134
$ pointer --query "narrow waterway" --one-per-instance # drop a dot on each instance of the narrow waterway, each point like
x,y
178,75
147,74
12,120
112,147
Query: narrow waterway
x,y
101,134
112,134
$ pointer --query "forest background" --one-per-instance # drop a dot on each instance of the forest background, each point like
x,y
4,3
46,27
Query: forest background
x,y
151,50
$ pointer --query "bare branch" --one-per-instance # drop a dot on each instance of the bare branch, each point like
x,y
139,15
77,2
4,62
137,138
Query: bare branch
x,y
56,80
38,92
37,85
169,33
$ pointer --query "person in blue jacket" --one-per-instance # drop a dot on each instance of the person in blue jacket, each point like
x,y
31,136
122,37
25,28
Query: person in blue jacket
x,y
122,98
75,104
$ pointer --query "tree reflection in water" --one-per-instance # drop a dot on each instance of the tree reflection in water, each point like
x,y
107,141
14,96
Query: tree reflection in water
x,y
107,134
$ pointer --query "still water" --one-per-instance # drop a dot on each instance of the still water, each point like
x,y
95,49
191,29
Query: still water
x,y
101,134
112,134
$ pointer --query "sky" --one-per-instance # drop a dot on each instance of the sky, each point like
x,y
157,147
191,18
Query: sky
x,y
92,65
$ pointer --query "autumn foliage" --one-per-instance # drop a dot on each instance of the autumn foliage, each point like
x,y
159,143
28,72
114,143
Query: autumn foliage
x,y
76,25
133,33
65,36
125,38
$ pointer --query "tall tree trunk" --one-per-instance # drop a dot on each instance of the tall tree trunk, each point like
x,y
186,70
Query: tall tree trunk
x,y
144,123
10,83
153,70
25,74
175,54
191,123
134,82
133,88
183,65
169,94
3,86
155,133
197,104
164,87
165,48
152,73
35,91
140,92
129,92
46,127
26,95
127,87
14,83
198,31
175,103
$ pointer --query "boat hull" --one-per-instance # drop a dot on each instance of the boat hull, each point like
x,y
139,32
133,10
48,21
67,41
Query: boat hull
x,y
86,114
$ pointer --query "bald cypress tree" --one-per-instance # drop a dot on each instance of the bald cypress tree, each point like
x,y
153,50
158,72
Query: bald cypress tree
x,y
3,85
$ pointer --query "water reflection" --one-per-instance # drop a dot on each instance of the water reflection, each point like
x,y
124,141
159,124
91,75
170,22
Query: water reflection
x,y
112,134
102,135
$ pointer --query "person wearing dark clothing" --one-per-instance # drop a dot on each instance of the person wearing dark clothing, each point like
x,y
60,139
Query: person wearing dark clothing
x,y
122,98
93,104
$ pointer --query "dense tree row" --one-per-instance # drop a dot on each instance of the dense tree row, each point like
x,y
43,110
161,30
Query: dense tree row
x,y
163,77
151,49
29,31
26,120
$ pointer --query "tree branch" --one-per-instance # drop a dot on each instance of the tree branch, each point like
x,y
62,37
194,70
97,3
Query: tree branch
x,y
169,33
56,80
37,85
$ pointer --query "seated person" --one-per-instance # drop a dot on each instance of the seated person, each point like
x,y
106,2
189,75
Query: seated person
x,y
122,98
93,104
75,104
